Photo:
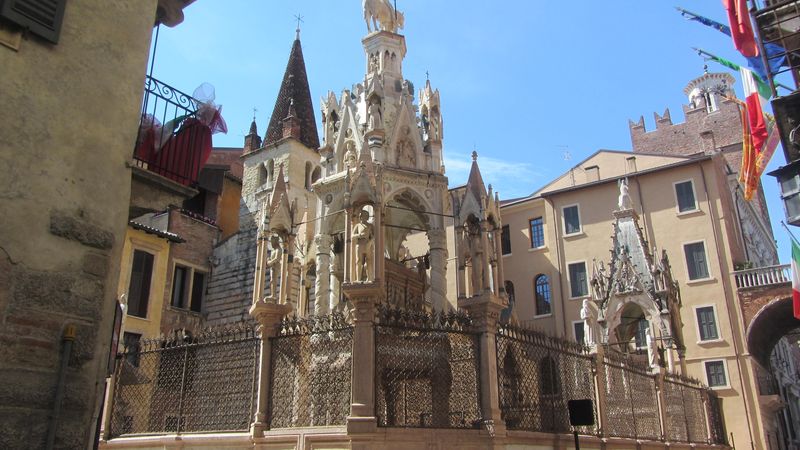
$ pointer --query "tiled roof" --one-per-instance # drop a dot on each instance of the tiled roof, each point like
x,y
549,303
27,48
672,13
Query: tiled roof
x,y
294,89
160,233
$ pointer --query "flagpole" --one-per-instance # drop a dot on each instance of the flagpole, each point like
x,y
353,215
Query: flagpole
x,y
791,235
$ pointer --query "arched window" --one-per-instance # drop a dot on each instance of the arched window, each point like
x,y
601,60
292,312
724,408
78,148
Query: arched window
x,y
548,376
270,171
316,174
262,174
542,288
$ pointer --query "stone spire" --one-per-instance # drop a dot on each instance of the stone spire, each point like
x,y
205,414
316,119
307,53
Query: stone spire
x,y
252,141
294,94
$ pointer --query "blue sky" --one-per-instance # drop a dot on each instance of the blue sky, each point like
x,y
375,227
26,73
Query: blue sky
x,y
522,82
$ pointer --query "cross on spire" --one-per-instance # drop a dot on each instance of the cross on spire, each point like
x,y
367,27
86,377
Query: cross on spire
x,y
299,19
427,76
254,113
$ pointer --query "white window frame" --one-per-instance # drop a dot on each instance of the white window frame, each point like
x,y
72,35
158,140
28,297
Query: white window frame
x,y
724,368
564,220
686,263
575,335
700,339
569,280
694,195
192,269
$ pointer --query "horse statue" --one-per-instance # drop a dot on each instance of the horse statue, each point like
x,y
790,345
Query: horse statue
x,y
382,15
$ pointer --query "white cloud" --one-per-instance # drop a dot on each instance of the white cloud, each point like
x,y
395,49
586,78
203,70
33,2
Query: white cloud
x,y
510,178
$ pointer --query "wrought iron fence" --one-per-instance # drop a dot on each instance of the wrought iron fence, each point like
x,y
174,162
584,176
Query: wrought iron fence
x,y
426,370
206,382
716,421
684,414
311,369
537,376
631,400
169,142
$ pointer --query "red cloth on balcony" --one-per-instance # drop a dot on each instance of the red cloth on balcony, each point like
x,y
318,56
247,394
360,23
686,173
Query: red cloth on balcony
x,y
182,155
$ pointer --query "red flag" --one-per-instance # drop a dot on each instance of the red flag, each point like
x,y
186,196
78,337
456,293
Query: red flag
x,y
758,133
741,28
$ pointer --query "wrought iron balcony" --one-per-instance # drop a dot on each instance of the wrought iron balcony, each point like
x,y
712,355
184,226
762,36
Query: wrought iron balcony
x,y
171,141
763,276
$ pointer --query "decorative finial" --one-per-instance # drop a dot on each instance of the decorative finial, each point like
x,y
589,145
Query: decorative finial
x,y
299,19
254,113
474,155
427,76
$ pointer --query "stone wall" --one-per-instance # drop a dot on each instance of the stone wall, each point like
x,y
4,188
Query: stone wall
x,y
69,115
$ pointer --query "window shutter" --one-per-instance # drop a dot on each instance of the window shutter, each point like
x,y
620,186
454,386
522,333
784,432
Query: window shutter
x,y
40,17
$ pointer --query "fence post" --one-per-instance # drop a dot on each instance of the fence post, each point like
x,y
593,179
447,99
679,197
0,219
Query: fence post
x,y
662,405
484,309
268,314
364,298
601,384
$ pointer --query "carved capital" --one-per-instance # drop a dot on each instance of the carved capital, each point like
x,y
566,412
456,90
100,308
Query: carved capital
x,y
268,314
484,310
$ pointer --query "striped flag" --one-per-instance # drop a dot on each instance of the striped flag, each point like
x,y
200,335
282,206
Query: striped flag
x,y
795,279
758,134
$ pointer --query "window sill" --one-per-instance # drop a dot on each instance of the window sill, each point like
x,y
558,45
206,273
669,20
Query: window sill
x,y
701,281
537,249
711,341
131,316
543,316
690,213
506,254
721,388
582,297
575,235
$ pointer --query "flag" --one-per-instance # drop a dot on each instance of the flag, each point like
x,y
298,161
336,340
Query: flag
x,y
763,89
776,55
741,28
795,279
748,173
773,139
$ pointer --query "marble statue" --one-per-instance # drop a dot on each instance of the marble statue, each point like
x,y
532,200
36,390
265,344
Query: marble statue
x,y
274,264
364,241
624,201
652,352
375,118
475,246
589,324
381,15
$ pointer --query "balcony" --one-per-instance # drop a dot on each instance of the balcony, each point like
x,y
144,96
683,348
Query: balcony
x,y
763,276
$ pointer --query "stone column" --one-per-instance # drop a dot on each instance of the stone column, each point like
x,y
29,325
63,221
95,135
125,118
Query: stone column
x,y
364,297
322,282
287,268
461,276
261,263
268,315
600,383
485,312
662,406
437,241
379,266
486,260
500,282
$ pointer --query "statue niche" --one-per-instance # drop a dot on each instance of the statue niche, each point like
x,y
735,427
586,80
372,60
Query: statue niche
x,y
406,154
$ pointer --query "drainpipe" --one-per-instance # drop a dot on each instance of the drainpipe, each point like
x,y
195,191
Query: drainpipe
x,y
66,339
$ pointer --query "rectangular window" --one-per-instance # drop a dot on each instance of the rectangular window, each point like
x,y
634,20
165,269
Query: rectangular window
x,y
707,323
180,287
198,291
139,287
684,194
188,288
130,342
537,232
696,260
572,220
505,240
578,286
577,328
715,374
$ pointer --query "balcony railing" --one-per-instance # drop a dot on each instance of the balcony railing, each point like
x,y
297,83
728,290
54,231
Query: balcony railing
x,y
763,276
171,141
777,22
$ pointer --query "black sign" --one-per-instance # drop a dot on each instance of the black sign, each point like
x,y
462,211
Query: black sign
x,y
580,412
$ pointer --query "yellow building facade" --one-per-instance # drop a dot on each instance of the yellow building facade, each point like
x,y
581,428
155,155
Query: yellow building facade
x,y
555,239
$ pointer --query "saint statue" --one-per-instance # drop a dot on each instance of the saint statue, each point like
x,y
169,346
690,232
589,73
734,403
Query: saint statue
x,y
652,352
274,264
375,118
624,201
589,324
364,242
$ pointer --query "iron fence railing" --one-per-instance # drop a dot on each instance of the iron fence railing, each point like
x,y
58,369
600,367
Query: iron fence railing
x,y
777,23
311,371
631,399
426,370
170,141
537,376
206,382
716,420
684,414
